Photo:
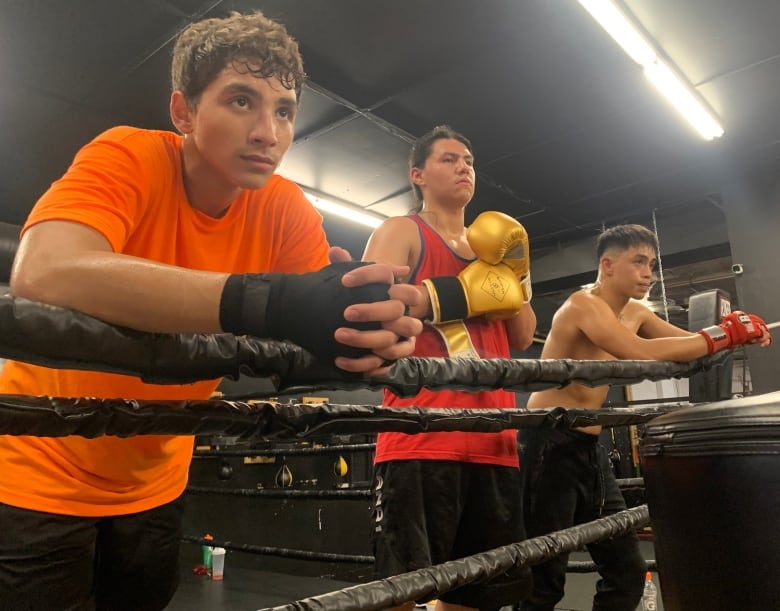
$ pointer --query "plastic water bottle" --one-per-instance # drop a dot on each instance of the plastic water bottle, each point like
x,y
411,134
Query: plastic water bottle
x,y
650,595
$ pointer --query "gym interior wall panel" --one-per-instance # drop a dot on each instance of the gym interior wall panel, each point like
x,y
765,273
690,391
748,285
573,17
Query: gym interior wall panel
x,y
753,216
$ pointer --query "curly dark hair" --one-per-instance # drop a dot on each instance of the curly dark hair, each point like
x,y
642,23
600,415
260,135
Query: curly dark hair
x,y
624,237
421,149
250,42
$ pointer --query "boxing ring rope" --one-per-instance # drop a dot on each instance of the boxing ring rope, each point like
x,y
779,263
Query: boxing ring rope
x,y
90,418
59,338
573,566
633,483
65,339
339,494
316,449
281,552
434,581
283,493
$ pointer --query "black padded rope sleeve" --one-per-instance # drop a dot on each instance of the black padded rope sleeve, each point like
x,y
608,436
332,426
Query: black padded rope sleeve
x,y
432,582
89,418
60,338
65,339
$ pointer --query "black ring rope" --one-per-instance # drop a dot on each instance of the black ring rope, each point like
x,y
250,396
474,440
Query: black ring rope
x,y
91,417
573,566
282,552
319,449
588,566
631,483
61,338
433,581
634,483
280,493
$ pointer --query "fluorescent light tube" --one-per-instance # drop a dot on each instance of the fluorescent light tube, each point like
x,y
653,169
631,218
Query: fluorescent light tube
x,y
345,212
615,23
682,99
681,94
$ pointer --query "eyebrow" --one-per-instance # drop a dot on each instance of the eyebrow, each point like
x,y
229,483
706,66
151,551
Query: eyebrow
x,y
467,156
233,88
641,257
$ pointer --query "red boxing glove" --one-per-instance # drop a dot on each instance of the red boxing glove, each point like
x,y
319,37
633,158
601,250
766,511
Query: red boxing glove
x,y
735,329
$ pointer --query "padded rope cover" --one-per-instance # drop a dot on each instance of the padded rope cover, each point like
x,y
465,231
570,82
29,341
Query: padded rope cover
x,y
66,339
434,581
89,417
60,338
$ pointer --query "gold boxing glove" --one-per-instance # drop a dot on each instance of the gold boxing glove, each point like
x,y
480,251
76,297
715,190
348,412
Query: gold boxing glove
x,y
496,237
480,288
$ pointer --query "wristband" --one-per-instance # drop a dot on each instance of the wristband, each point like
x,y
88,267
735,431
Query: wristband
x,y
448,299
236,292
717,338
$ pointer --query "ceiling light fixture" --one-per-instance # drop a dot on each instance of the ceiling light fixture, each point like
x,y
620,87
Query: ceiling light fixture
x,y
346,212
680,93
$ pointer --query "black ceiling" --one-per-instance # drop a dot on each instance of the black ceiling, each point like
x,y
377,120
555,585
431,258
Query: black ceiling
x,y
568,134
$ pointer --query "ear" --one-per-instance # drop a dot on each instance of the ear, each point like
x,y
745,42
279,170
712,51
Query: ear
x,y
607,265
415,174
181,113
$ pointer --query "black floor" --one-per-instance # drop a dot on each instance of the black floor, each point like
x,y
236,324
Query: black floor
x,y
250,590
247,590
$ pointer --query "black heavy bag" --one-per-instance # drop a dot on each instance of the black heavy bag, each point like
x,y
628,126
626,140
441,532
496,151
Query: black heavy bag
x,y
712,477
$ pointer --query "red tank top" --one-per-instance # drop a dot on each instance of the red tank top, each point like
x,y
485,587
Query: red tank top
x,y
490,340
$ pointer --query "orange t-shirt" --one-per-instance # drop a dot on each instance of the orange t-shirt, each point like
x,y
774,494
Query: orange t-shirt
x,y
127,184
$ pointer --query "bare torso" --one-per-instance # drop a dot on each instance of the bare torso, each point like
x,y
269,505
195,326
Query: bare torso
x,y
567,341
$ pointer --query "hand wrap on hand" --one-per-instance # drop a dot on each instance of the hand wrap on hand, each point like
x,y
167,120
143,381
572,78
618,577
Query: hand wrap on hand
x,y
305,309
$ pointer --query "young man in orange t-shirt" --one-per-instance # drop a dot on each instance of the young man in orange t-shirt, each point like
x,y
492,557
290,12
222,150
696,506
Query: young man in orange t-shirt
x,y
173,233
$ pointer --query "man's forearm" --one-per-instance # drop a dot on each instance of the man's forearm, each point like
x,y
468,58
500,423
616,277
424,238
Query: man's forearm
x,y
127,291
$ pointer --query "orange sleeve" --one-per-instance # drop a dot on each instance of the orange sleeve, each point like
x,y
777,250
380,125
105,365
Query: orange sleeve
x,y
106,186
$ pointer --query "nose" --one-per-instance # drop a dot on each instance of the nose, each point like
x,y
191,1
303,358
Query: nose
x,y
463,167
264,129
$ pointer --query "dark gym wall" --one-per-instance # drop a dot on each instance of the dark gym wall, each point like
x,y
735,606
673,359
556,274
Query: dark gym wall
x,y
752,207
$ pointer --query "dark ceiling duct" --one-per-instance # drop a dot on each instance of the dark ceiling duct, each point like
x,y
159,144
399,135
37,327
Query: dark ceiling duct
x,y
9,242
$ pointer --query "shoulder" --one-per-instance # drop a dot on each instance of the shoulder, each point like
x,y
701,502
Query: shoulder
x,y
581,309
400,223
137,137
399,227
584,300
142,147
637,309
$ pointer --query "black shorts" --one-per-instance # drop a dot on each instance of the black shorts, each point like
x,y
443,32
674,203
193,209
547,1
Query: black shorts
x,y
122,563
427,512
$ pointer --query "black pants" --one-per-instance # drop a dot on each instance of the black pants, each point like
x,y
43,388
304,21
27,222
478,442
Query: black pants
x,y
427,512
120,563
568,480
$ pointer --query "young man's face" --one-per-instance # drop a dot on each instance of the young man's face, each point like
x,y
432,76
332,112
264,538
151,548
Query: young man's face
x,y
242,126
448,173
631,271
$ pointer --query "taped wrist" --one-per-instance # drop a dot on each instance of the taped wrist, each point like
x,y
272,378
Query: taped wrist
x,y
717,338
448,299
240,291
305,309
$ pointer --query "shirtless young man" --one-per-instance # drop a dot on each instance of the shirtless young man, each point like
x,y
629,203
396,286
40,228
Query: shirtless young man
x,y
567,478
